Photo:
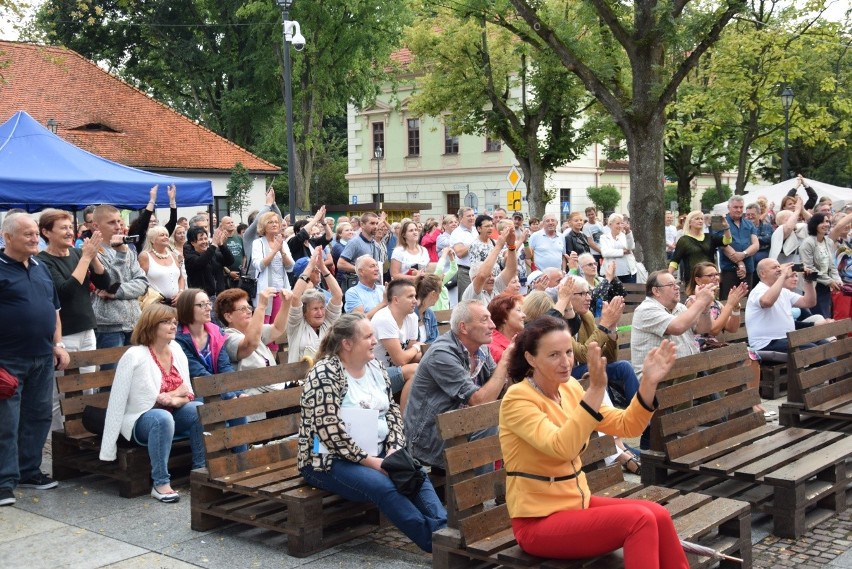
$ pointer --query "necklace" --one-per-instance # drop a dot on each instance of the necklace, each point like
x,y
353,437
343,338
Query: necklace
x,y
558,397
160,255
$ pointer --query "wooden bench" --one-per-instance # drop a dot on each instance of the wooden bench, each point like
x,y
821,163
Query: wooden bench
x,y
479,532
262,487
75,450
634,295
773,374
723,448
820,392
443,317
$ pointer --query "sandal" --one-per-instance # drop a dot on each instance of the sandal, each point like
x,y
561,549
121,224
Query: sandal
x,y
630,463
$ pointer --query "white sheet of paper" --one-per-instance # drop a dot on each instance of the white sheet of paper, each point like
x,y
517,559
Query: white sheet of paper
x,y
362,425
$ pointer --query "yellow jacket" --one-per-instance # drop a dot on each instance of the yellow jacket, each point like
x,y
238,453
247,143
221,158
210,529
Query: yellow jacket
x,y
540,437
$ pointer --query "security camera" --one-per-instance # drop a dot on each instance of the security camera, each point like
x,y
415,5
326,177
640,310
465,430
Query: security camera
x,y
293,33
298,41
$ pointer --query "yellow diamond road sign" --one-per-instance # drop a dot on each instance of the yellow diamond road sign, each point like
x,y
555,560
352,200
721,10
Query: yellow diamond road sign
x,y
514,177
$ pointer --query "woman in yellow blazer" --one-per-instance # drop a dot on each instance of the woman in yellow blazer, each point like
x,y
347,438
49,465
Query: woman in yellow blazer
x,y
546,419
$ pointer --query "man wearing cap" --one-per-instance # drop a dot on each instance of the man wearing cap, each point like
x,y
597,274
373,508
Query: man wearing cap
x,y
30,348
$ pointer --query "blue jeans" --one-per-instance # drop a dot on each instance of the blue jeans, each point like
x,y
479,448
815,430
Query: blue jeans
x,y
25,418
416,517
156,429
619,374
111,340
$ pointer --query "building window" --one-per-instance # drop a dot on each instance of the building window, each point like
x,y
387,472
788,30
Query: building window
x,y
451,143
221,208
378,136
493,144
453,203
414,137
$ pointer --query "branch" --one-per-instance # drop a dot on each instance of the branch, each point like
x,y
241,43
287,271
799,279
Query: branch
x,y
692,59
571,62
614,25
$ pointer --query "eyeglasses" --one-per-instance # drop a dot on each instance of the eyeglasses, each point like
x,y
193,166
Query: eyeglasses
x,y
590,264
587,293
710,276
207,304
169,322
247,309
675,284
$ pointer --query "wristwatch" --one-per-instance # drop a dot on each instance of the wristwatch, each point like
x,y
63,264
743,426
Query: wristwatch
x,y
59,345
605,330
305,278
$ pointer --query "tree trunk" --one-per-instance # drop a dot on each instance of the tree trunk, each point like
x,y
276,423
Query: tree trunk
x,y
534,178
645,148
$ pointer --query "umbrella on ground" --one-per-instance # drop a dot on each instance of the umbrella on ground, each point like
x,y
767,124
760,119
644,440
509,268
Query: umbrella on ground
x,y
690,547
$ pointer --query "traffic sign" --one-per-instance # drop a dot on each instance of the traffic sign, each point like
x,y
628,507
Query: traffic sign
x,y
566,207
514,177
513,203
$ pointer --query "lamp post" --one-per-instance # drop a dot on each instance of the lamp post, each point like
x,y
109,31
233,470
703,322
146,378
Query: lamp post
x,y
378,154
292,34
786,102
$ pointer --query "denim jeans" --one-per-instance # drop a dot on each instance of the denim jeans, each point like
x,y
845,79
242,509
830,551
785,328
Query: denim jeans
x,y
619,374
416,517
156,429
25,418
111,340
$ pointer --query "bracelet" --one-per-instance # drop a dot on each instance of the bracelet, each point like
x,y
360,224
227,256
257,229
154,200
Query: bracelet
x,y
172,205
737,313
325,276
511,247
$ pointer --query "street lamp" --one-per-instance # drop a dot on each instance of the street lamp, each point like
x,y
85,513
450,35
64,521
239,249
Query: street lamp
x,y
292,34
378,154
786,101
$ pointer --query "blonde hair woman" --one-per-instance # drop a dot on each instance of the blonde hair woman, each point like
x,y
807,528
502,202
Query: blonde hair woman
x,y
695,246
271,260
618,246
161,266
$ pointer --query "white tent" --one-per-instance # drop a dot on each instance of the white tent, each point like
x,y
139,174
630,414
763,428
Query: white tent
x,y
776,193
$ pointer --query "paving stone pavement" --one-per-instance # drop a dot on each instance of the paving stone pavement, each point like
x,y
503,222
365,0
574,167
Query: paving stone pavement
x,y
84,524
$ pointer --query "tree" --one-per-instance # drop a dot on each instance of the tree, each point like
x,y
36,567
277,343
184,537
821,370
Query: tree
x,y
712,196
220,62
239,186
491,84
632,57
604,197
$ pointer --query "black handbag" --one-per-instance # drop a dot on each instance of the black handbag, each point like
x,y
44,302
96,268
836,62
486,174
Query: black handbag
x,y
405,472
248,284
94,419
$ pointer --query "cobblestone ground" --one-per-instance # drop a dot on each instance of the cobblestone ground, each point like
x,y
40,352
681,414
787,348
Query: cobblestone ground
x,y
827,545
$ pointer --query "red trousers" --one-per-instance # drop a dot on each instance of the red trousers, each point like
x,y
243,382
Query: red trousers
x,y
644,529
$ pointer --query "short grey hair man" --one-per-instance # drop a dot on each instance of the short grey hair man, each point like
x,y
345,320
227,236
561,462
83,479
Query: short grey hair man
x,y
461,313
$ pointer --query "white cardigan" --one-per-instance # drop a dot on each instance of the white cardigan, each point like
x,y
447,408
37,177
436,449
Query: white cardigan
x,y
259,249
612,249
134,391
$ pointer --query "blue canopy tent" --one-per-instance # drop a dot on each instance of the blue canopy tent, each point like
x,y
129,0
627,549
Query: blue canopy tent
x,y
39,170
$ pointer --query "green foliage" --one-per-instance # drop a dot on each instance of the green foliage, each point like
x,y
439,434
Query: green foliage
x,y
604,197
712,196
487,82
239,186
220,61
670,194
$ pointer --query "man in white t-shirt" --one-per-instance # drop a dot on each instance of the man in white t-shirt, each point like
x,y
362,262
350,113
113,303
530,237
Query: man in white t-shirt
x,y
671,235
547,245
460,240
396,330
769,315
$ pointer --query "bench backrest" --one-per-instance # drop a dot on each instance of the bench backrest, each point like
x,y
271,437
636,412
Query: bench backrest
x,y
219,438
634,295
811,379
72,385
672,424
467,493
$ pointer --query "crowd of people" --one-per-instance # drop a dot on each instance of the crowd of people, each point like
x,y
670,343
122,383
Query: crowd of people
x,y
533,306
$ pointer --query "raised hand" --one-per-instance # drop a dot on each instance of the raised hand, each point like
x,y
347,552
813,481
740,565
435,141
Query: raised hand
x,y
270,195
266,294
736,294
509,236
92,245
172,193
706,293
277,242
610,270
152,194
612,311
597,366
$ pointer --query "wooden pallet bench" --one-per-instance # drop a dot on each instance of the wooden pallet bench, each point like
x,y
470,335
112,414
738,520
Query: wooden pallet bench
x,y
773,373
720,446
634,295
479,531
262,487
75,450
820,394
